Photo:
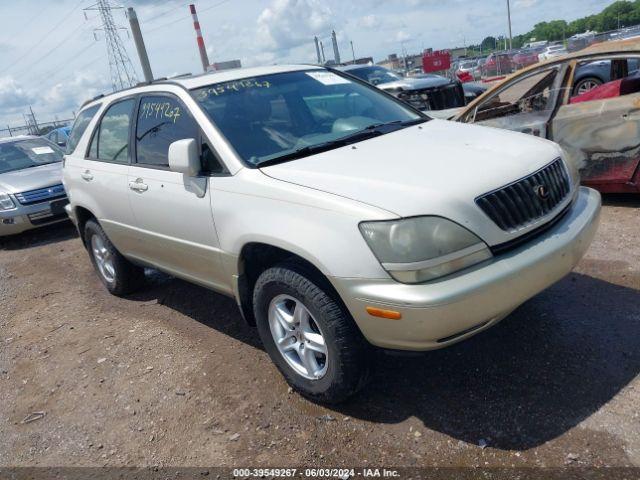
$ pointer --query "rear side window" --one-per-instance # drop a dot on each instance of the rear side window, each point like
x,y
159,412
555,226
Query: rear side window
x,y
110,141
79,127
162,120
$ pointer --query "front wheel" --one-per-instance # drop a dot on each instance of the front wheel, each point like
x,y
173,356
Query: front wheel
x,y
312,340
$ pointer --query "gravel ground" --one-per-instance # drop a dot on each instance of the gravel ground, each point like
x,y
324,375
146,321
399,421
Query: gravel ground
x,y
172,376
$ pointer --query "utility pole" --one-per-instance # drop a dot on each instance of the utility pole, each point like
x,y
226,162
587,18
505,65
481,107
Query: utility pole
x,y
122,72
203,51
317,42
35,122
353,52
140,47
336,52
509,17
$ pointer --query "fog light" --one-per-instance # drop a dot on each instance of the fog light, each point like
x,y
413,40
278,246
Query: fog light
x,y
8,221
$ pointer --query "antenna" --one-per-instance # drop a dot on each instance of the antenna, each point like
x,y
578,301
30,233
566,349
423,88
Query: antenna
x,y
122,73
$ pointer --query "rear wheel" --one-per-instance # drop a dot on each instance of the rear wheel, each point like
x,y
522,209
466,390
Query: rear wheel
x,y
308,335
119,275
586,84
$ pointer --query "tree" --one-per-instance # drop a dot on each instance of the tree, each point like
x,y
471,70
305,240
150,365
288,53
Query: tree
x,y
489,43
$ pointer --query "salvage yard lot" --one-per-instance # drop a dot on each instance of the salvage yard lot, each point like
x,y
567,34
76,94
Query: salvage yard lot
x,y
172,376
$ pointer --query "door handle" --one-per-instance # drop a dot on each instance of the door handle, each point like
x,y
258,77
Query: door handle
x,y
138,185
632,116
86,175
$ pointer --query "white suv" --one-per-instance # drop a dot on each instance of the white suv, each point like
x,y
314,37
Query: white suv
x,y
336,216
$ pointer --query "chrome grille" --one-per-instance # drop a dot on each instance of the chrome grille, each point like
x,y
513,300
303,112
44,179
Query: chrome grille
x,y
523,202
41,195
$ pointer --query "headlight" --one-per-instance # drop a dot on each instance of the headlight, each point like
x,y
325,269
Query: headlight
x,y
415,250
6,203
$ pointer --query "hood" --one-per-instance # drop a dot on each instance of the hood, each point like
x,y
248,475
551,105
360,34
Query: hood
x,y
437,168
415,83
31,178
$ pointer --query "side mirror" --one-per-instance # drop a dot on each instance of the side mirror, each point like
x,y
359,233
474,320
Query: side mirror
x,y
184,158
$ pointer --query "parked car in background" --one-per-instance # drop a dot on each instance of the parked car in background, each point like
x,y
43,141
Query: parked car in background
x,y
470,67
597,125
31,191
59,136
552,51
590,75
424,92
524,58
336,216
497,64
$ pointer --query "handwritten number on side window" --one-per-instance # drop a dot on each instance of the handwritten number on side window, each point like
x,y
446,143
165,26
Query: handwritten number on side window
x,y
159,110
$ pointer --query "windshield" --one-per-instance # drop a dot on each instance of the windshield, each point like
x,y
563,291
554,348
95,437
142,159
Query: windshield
x,y
272,116
375,75
27,153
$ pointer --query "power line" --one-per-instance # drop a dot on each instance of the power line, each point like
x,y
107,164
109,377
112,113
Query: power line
x,y
154,29
52,73
23,27
53,49
44,37
167,12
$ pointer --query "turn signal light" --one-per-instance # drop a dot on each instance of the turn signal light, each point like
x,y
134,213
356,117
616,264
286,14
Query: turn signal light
x,y
388,314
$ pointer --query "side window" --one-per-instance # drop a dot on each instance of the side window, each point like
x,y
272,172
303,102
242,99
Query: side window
x,y
530,94
162,120
79,126
605,78
111,139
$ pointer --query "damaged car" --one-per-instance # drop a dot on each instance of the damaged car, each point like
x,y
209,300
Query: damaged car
x,y
424,92
599,128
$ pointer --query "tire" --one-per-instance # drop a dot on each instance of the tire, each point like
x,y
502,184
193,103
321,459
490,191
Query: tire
x,y
122,277
335,375
585,84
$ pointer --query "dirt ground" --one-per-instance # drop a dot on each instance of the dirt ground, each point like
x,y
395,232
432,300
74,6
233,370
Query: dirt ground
x,y
172,376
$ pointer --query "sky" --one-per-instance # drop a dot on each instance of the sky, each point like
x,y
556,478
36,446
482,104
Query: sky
x,y
52,58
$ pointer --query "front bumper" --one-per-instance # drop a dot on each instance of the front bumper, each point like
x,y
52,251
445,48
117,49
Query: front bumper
x,y
27,217
439,313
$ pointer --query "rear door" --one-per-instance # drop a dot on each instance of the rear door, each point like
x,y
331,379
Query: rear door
x,y
99,180
603,135
172,210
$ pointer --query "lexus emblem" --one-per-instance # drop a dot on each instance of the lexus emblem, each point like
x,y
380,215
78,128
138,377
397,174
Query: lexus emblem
x,y
541,191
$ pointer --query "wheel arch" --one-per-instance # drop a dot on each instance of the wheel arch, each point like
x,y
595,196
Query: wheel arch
x,y
257,257
83,215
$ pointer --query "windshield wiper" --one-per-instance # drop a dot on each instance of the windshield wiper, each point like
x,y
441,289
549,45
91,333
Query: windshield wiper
x,y
370,131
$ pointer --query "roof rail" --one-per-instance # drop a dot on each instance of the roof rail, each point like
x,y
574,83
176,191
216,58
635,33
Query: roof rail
x,y
92,99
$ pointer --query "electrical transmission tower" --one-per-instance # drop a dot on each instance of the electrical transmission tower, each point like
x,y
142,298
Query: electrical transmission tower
x,y
122,73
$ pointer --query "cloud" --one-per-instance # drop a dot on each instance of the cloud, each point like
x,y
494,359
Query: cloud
x,y
525,3
403,36
288,24
13,95
369,22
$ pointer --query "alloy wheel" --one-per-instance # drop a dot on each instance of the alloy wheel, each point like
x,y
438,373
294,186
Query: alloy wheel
x,y
103,258
298,337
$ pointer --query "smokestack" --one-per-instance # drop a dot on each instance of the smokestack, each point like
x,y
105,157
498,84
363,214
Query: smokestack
x,y
315,39
196,25
336,52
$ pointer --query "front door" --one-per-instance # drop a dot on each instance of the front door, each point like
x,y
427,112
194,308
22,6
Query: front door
x,y
172,210
602,133
525,104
